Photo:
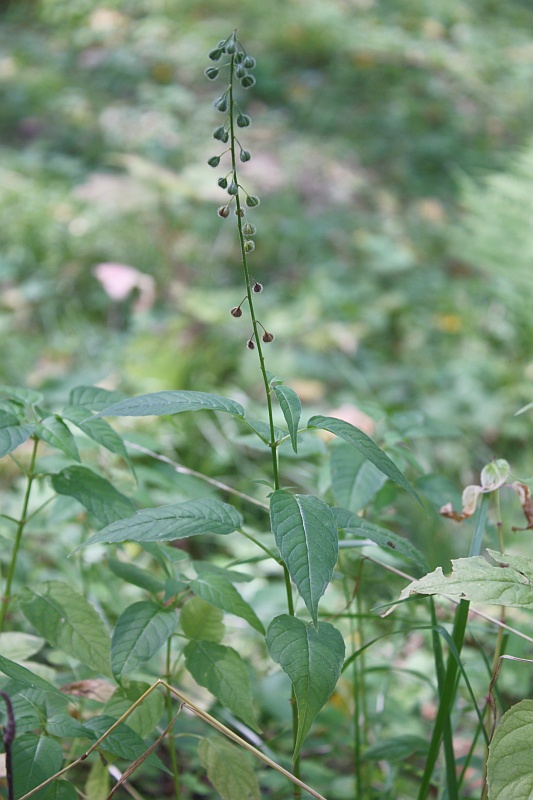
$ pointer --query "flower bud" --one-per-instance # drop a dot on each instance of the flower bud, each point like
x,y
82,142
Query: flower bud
x,y
243,120
239,58
250,344
257,287
239,212
245,155
249,246
225,137
214,161
240,72
267,337
219,133
249,62
223,211
252,201
221,44
215,54
248,229
247,82
211,73
222,182
236,312
231,47
233,188
221,104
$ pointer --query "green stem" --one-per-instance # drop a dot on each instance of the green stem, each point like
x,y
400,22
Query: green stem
x,y
6,597
272,444
255,324
171,737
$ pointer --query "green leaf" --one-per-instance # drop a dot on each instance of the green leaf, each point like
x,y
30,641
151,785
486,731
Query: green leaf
x,y
25,677
398,748
97,784
95,493
172,521
263,431
230,574
228,769
94,397
136,576
292,408
35,759
61,790
510,767
354,525
97,429
19,646
146,716
141,630
54,432
218,591
8,420
366,446
12,434
306,535
63,726
27,396
160,403
223,672
68,621
355,480
123,742
508,583
201,620
313,661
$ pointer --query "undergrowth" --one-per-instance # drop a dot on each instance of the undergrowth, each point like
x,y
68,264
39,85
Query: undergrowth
x,y
194,622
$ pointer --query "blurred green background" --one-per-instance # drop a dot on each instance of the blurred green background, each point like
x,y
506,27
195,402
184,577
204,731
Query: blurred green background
x,y
391,147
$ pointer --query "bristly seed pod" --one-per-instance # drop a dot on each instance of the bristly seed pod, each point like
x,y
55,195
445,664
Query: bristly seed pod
x,y
250,344
233,188
249,246
223,211
236,312
211,73
267,337
245,155
221,104
257,287
252,201
214,161
243,120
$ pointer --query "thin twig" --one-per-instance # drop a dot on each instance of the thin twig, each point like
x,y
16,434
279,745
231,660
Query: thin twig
x,y
186,471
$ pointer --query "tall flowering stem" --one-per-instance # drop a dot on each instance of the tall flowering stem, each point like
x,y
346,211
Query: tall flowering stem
x,y
240,66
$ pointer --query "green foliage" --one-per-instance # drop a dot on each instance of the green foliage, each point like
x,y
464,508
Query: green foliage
x,y
221,670
509,768
306,535
230,773
103,167
312,659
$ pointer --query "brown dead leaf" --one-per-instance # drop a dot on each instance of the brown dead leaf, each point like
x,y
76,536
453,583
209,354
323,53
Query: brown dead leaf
x,y
93,689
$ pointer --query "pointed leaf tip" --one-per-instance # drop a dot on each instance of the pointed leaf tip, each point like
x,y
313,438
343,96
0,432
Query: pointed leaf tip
x,y
367,447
